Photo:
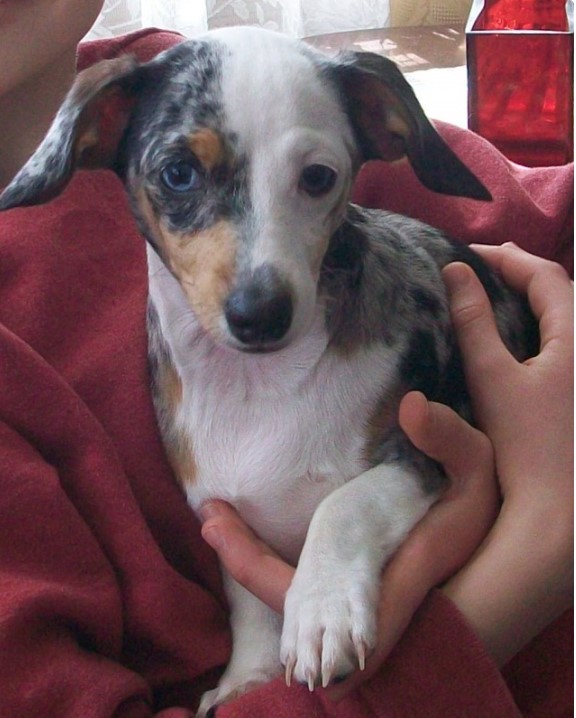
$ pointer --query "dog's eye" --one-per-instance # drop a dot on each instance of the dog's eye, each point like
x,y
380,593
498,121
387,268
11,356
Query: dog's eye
x,y
317,180
180,176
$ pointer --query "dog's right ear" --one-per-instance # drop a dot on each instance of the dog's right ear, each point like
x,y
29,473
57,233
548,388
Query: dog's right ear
x,y
86,132
390,124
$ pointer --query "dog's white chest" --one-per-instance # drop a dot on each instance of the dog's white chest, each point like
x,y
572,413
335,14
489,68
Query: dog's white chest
x,y
274,454
271,433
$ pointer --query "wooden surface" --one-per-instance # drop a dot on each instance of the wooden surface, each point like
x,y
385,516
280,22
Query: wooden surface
x,y
432,58
412,48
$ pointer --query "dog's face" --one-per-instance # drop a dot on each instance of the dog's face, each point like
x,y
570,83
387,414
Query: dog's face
x,y
239,164
238,151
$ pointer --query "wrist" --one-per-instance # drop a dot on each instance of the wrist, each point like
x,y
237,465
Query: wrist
x,y
544,524
519,580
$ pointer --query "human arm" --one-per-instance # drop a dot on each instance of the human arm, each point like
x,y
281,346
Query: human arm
x,y
411,684
443,541
502,627
526,409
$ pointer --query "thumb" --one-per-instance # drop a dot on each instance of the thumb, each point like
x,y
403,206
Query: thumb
x,y
246,558
448,534
444,436
473,319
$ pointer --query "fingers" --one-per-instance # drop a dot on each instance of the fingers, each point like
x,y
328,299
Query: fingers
x,y
548,287
246,558
449,533
518,268
473,319
444,436
470,505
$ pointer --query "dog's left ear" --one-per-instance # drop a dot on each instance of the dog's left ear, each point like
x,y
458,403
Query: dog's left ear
x,y
390,123
86,132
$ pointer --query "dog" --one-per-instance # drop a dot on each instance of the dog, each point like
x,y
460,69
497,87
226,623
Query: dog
x,y
285,323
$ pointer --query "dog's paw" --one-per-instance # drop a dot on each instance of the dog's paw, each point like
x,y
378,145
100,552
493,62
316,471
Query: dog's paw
x,y
329,624
230,687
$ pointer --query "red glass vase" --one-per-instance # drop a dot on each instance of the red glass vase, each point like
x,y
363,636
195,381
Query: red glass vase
x,y
520,59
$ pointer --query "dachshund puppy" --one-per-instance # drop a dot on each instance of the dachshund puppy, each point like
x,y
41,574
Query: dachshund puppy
x,y
285,323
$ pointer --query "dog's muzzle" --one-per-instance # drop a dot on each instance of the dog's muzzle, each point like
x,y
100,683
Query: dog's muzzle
x,y
259,311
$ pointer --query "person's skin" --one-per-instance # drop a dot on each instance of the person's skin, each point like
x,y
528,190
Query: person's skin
x,y
525,410
38,41
520,578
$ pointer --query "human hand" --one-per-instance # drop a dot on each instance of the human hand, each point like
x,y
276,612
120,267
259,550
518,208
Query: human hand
x,y
427,557
448,534
526,410
437,547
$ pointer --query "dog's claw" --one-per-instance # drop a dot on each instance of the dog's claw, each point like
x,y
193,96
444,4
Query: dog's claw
x,y
310,678
290,663
328,668
361,653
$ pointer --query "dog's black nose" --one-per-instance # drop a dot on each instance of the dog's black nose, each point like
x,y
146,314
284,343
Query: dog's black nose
x,y
259,312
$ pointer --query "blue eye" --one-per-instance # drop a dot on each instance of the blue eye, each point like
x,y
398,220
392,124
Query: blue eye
x,y
180,176
317,180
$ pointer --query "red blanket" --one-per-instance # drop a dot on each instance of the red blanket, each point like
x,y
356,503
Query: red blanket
x,y
110,602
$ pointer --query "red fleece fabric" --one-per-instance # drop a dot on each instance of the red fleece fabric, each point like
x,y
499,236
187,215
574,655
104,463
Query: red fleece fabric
x,y
110,602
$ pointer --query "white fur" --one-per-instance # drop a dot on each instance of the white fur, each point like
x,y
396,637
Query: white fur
x,y
281,435
329,615
289,229
249,417
250,420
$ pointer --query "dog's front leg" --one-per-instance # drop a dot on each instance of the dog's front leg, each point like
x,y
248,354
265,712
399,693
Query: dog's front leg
x,y
255,647
331,606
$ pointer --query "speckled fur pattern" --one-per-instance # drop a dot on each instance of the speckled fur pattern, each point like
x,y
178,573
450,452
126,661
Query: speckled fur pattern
x,y
285,323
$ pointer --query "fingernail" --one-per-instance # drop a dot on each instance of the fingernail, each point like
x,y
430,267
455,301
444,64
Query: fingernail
x,y
209,510
456,276
213,537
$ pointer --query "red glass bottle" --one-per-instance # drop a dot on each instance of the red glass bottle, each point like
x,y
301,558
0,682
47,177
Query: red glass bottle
x,y
520,57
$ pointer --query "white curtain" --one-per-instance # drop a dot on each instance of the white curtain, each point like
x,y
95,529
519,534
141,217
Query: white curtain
x,y
295,17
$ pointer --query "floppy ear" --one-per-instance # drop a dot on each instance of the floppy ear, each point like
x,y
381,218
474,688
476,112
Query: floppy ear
x,y
390,123
86,132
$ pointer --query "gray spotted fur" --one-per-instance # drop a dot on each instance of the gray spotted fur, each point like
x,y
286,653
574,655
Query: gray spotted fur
x,y
380,278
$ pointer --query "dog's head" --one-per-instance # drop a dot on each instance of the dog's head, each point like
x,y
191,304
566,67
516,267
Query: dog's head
x,y
238,151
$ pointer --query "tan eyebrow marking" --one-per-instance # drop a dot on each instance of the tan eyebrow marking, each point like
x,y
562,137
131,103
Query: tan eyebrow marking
x,y
208,148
